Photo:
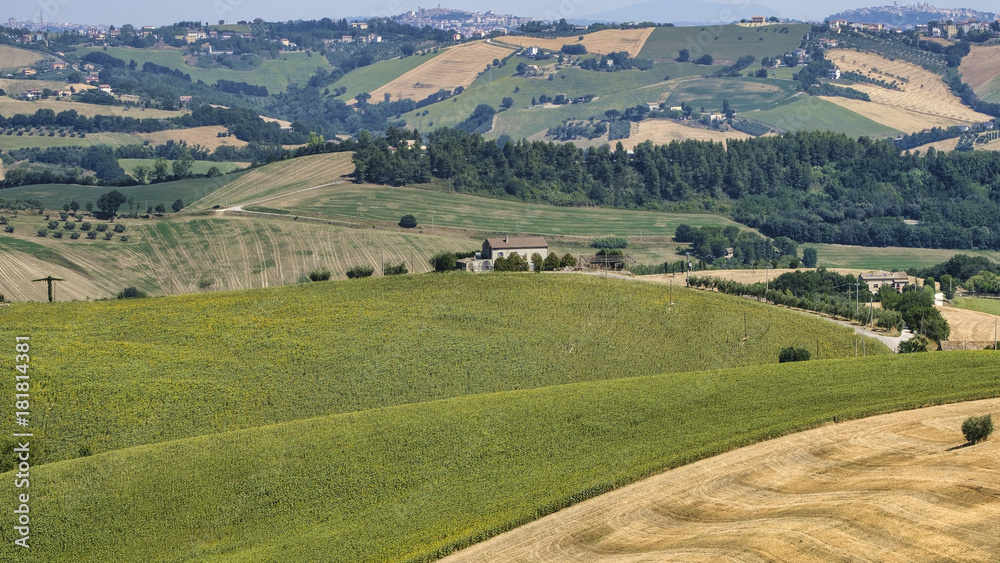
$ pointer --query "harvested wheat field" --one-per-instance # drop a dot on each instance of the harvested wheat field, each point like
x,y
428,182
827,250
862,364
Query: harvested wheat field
x,y
922,101
980,66
662,131
207,137
12,57
458,66
969,325
601,42
897,487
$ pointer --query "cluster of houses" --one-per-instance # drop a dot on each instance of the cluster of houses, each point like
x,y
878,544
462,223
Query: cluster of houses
x,y
465,24
949,31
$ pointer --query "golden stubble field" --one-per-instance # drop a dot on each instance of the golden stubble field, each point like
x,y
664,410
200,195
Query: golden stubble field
x,y
897,487
458,66
207,137
923,102
600,42
12,57
981,65
662,131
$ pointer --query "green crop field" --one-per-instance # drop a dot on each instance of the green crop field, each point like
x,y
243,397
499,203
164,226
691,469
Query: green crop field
x,y
199,166
275,74
14,141
811,113
53,196
236,450
372,77
724,42
991,91
989,305
383,203
890,258
744,94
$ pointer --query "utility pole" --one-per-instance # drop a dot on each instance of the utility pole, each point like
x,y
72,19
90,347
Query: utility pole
x,y
49,279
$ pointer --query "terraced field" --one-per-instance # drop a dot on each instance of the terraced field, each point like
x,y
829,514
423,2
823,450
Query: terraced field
x,y
600,42
922,102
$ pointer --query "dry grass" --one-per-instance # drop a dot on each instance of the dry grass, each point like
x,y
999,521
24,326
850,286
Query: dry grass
x,y
458,66
12,57
205,136
602,42
895,487
17,85
749,276
924,101
980,66
969,325
662,131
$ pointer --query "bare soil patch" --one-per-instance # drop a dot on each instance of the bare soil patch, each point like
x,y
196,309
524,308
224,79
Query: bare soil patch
x,y
602,42
896,487
458,66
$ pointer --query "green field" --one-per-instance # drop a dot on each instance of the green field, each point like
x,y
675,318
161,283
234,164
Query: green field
x,y
431,208
989,305
11,142
809,113
53,196
991,91
889,258
265,469
275,74
724,42
199,166
372,77
744,94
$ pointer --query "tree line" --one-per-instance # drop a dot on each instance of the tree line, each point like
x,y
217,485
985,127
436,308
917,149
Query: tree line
x,y
816,187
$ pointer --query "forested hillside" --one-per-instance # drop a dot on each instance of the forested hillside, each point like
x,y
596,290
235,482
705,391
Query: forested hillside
x,y
810,187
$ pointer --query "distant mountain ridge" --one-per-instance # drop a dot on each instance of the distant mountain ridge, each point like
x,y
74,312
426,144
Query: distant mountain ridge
x,y
903,16
695,12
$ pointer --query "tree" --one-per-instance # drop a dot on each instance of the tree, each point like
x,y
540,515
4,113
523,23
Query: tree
x,y
320,274
507,103
394,269
109,202
177,205
89,207
141,173
918,344
160,169
809,257
537,262
977,428
889,297
444,262
683,56
131,293
793,354
705,59
551,262
160,209
363,98
408,221
74,206
360,272
182,166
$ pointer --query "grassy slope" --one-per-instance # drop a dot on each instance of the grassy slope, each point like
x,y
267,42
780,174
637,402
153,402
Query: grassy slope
x,y
724,42
370,78
744,94
276,75
12,57
383,203
10,142
981,304
270,356
811,113
889,258
199,166
434,476
53,196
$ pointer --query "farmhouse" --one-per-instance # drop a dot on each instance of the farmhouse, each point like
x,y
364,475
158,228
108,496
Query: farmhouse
x,y
875,280
505,247
757,20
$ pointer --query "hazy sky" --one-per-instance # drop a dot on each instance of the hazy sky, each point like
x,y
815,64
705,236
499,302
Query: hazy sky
x,y
159,12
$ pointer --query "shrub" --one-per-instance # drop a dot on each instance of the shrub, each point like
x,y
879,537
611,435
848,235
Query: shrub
x,y
101,227
609,242
109,235
444,261
321,274
57,234
3,220
53,225
69,226
131,293
568,261
394,270
918,344
124,238
74,236
85,226
407,221
8,229
360,272
92,235
977,428
793,354
119,228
